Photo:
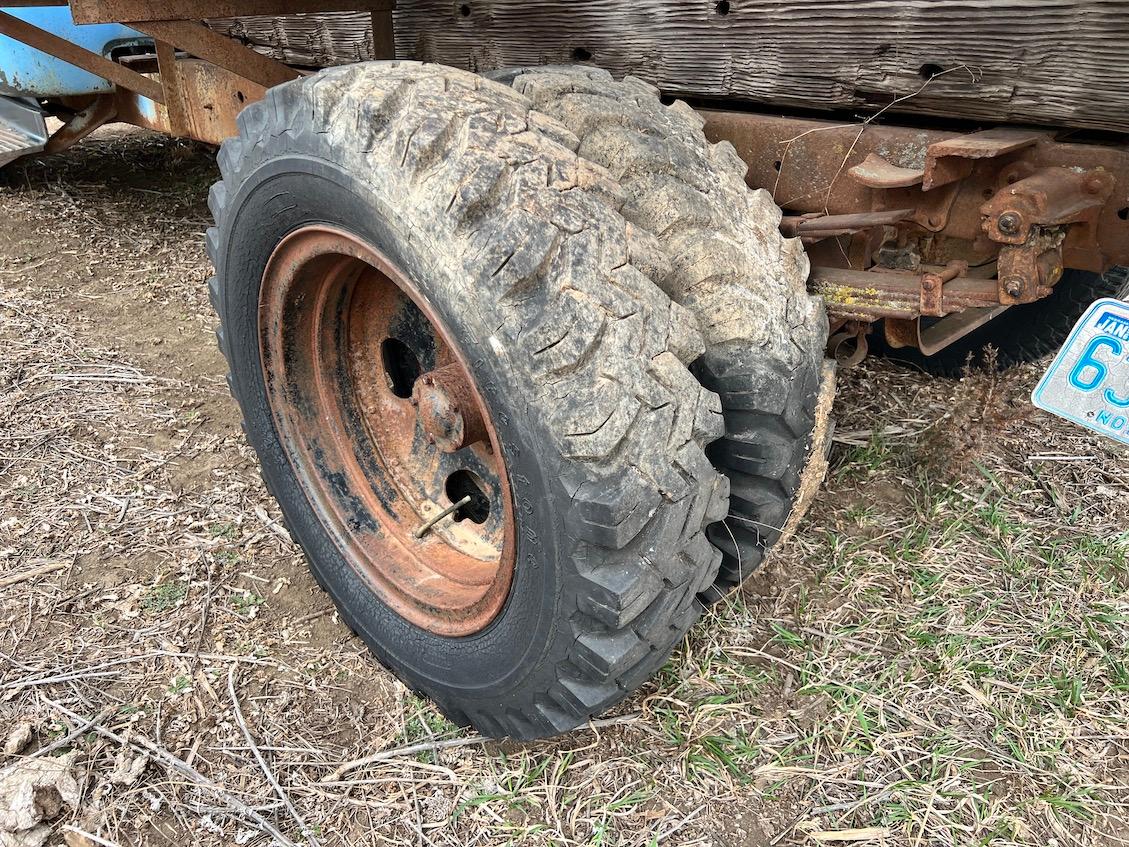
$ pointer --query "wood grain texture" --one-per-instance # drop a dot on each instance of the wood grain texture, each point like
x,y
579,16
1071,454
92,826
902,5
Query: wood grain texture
x,y
321,40
1052,62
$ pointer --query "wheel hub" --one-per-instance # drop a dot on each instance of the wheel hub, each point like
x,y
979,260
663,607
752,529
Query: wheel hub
x,y
447,411
388,435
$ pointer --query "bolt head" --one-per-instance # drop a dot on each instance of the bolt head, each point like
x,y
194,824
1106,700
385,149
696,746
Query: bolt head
x,y
1008,223
1013,286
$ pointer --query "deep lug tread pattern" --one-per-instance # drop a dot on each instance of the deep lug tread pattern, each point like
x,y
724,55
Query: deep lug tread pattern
x,y
1021,334
717,251
504,181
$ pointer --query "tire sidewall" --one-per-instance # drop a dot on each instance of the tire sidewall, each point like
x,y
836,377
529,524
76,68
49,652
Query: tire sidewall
x,y
285,193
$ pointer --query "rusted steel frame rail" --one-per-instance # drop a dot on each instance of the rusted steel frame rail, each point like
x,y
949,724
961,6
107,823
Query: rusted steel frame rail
x,y
816,167
118,11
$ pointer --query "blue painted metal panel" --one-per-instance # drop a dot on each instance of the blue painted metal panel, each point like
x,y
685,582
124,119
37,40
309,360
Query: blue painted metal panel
x,y
26,72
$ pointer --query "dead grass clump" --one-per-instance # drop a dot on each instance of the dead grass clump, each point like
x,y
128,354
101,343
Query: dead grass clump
x,y
982,404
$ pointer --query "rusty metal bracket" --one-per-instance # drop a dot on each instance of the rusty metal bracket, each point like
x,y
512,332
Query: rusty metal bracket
x,y
1029,218
1030,270
870,295
212,99
953,159
939,334
875,172
197,39
1049,197
849,346
933,287
103,110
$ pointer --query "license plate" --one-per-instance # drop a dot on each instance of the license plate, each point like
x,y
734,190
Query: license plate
x,y
1088,382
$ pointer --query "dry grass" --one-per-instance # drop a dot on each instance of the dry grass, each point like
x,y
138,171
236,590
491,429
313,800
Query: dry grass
x,y
938,658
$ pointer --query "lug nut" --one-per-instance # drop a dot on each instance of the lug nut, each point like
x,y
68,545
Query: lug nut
x,y
1008,223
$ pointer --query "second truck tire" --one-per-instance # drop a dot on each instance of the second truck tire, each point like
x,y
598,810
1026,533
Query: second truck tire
x,y
719,253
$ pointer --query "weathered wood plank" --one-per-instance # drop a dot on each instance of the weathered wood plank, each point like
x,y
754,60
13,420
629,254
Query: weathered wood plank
x,y
1055,62
328,38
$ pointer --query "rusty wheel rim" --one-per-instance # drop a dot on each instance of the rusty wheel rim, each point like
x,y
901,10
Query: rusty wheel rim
x,y
386,431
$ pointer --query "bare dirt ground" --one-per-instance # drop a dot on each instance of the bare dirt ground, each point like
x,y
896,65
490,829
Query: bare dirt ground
x,y
939,658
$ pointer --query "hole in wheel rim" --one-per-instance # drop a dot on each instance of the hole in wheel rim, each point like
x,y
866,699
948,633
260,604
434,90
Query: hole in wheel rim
x,y
344,336
463,484
401,366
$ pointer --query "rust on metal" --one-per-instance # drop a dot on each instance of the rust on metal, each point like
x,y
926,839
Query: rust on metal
x,y
176,94
1029,270
933,286
825,225
447,408
952,159
1014,202
195,38
806,164
346,339
848,345
101,111
114,11
212,99
939,334
871,295
197,98
1048,197
876,172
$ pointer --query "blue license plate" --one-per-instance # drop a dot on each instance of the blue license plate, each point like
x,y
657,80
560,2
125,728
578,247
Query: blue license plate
x,y
1088,381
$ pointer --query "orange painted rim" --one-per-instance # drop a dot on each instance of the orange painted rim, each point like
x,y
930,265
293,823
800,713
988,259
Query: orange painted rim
x,y
385,429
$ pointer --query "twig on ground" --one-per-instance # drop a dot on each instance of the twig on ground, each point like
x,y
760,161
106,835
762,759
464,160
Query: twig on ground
x,y
102,669
82,727
140,742
31,573
447,744
278,789
97,839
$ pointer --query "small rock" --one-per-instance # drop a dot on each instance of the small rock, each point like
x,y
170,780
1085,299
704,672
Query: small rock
x,y
127,768
32,793
18,739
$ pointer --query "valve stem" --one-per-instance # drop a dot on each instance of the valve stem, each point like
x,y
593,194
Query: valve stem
x,y
450,510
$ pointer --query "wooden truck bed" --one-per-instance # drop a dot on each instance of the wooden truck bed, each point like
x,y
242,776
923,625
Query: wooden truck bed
x,y
1061,63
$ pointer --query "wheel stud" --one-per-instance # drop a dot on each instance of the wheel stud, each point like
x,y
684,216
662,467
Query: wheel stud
x,y
450,510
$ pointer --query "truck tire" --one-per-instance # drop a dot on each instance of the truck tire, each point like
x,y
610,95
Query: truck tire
x,y
408,263
1021,334
720,254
